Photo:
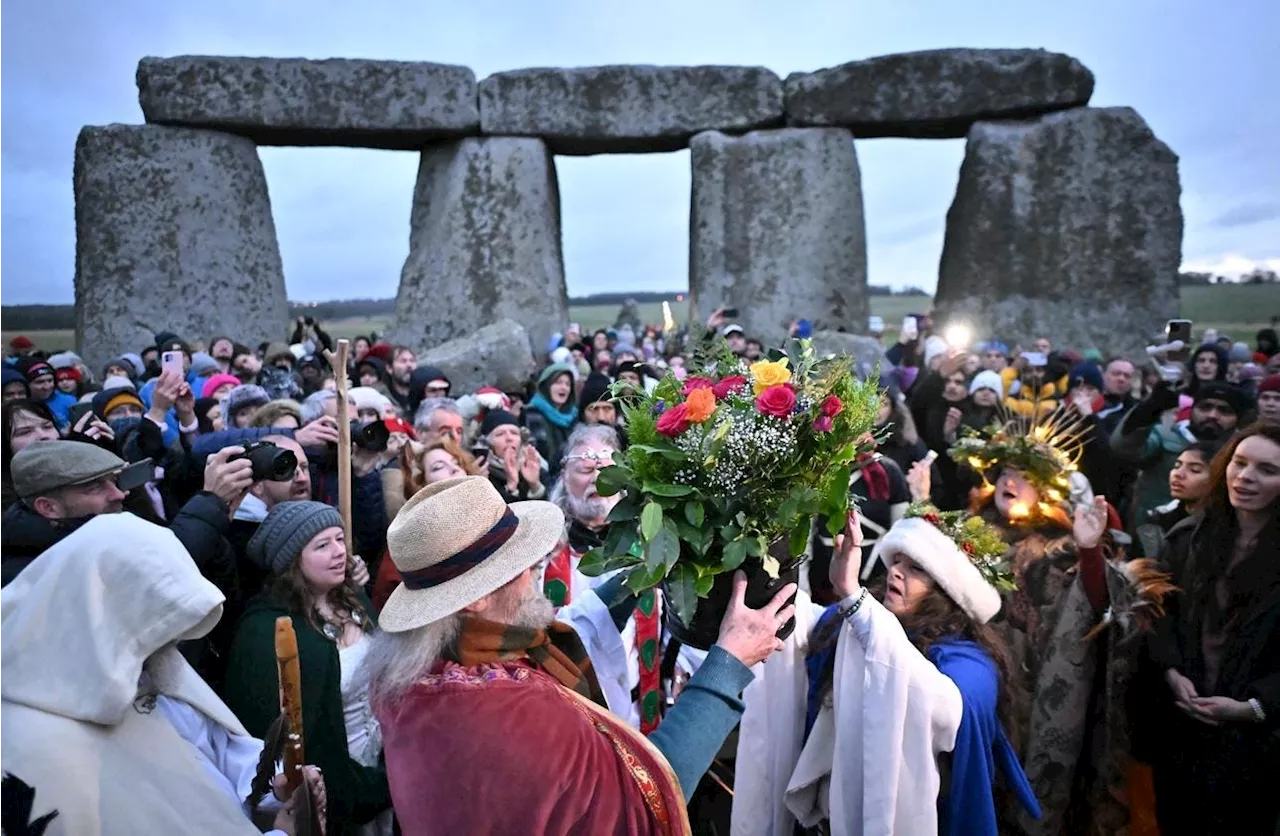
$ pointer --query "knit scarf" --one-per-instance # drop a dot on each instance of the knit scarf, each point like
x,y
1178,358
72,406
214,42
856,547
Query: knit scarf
x,y
552,413
556,651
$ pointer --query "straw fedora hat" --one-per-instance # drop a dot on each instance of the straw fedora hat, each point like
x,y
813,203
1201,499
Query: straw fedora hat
x,y
455,542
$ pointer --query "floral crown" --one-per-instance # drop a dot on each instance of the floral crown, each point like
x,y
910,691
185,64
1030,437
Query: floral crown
x,y
975,537
1045,450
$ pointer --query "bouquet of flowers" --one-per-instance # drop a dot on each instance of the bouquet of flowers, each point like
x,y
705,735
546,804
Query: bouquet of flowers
x,y
738,458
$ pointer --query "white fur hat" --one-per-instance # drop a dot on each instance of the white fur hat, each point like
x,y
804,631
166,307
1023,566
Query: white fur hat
x,y
987,380
933,347
950,568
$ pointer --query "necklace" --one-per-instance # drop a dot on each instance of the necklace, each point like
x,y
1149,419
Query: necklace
x,y
334,629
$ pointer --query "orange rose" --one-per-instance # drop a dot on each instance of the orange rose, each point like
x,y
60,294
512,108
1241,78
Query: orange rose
x,y
701,404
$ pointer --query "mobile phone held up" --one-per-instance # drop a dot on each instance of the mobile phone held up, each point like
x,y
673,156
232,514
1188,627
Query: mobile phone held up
x,y
910,328
172,361
1178,329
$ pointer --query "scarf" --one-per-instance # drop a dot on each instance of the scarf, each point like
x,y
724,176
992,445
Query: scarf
x,y
556,651
562,419
875,477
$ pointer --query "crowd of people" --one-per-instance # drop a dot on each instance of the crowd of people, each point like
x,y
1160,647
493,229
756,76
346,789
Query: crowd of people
x,y
1118,671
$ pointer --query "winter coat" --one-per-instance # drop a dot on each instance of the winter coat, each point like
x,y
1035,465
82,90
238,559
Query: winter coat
x,y
355,793
1217,779
1143,441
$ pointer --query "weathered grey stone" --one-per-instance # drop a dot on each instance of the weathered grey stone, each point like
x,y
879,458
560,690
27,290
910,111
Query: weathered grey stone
x,y
484,243
938,93
1067,226
173,232
628,109
629,315
294,101
866,352
776,229
495,355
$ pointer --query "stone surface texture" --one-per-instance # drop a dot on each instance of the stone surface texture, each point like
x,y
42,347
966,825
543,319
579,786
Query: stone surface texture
x,y
628,109
1067,226
484,244
495,355
294,101
937,93
173,232
866,353
776,229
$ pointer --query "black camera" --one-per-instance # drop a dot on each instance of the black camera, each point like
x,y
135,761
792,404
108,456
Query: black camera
x,y
372,436
270,463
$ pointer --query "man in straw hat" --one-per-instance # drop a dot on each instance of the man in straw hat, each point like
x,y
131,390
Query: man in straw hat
x,y
491,717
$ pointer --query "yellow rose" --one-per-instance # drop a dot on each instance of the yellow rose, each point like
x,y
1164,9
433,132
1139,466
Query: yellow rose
x,y
766,374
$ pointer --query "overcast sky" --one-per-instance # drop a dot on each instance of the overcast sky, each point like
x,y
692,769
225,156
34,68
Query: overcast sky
x,y
1203,74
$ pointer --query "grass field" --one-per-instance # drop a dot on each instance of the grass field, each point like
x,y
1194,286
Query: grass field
x,y
1237,310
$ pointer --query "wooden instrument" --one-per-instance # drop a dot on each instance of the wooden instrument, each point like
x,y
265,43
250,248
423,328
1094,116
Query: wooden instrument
x,y
290,700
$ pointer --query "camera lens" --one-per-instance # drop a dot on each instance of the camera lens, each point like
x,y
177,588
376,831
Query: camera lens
x,y
283,465
372,436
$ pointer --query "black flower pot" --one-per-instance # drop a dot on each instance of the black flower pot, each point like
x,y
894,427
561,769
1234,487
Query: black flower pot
x,y
704,628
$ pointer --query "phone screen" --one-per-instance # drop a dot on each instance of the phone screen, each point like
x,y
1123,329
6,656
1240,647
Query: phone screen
x,y
1179,329
171,361
909,327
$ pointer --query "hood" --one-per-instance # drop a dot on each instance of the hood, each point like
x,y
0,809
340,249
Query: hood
x,y
1217,351
423,375
379,368
77,625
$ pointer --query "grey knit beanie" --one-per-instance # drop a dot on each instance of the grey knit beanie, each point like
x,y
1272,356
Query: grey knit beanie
x,y
286,531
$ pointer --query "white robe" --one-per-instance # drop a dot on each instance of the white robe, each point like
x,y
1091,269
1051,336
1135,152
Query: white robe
x,y
870,764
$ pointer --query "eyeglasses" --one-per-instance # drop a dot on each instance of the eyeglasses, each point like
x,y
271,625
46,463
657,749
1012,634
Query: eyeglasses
x,y
601,458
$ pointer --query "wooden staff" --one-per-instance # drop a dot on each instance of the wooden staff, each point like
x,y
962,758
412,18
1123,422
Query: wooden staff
x,y
290,700
339,362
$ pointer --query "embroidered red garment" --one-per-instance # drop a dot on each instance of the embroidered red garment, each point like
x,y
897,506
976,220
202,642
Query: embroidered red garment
x,y
527,754
557,585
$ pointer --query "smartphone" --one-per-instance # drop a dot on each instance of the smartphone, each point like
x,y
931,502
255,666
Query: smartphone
x,y
136,475
1036,358
77,412
730,313
1178,329
171,361
910,329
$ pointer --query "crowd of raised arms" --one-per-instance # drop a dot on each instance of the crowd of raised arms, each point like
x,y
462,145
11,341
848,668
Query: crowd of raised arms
x,y
1056,609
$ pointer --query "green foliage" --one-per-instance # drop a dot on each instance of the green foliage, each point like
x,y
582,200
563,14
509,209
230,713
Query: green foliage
x,y
714,495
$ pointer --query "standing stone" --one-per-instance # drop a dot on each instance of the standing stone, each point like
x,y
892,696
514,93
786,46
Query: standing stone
x,y
776,230
295,101
937,93
496,355
173,232
1067,226
484,244
628,109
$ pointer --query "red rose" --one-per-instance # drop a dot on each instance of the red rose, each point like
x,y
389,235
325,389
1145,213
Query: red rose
x,y
674,421
777,401
968,547
823,424
832,406
723,389
933,519
696,383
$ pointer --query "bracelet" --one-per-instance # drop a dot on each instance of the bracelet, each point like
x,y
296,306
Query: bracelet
x,y
1259,716
855,606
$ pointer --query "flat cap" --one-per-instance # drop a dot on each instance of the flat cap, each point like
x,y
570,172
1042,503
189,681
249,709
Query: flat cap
x,y
47,466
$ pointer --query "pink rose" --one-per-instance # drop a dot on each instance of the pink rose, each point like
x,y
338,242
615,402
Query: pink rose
x,y
777,401
723,389
695,383
674,421
823,424
831,407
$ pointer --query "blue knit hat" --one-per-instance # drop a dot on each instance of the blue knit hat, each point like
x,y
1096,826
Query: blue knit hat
x,y
286,531
1085,373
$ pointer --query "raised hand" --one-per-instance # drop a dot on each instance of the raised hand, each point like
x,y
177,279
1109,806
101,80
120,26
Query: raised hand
x,y
1090,523
846,561
751,635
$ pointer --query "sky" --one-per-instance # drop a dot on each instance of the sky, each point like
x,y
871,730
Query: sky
x,y
1203,75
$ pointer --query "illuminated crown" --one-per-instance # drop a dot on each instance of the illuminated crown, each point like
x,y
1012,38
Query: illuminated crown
x,y
1045,449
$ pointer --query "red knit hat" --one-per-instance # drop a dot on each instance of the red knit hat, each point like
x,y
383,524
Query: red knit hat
x,y
67,373
21,343
382,351
1270,383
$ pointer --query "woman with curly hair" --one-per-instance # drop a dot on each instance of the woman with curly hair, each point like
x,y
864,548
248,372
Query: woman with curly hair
x,y
896,701
302,546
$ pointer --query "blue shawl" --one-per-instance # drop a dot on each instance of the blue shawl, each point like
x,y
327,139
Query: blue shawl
x,y
548,410
967,806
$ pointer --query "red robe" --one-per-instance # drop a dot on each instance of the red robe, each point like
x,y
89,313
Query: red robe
x,y
505,749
